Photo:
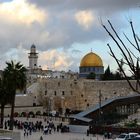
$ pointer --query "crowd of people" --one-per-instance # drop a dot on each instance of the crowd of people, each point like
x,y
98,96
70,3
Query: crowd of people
x,y
46,126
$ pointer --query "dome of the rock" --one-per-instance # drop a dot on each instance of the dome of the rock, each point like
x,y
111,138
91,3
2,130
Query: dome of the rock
x,y
91,63
91,59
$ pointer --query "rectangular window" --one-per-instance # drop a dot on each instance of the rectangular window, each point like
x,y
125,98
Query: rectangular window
x,y
63,93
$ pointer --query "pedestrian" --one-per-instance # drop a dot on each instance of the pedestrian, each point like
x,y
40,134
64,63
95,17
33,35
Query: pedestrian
x,y
24,132
87,132
108,135
105,135
50,130
46,130
41,138
45,119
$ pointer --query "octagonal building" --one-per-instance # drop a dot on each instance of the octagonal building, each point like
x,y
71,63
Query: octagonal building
x,y
91,63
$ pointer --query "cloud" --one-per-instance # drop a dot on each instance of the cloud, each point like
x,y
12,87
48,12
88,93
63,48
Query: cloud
x,y
85,19
46,27
53,25
18,54
21,23
55,60
21,12
106,6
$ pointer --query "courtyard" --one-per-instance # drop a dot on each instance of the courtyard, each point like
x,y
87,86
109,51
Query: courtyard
x,y
54,135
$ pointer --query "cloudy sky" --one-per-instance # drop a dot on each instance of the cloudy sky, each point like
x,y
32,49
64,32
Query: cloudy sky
x,y
62,30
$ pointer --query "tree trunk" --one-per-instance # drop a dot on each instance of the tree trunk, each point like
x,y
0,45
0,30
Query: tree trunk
x,y
2,116
12,114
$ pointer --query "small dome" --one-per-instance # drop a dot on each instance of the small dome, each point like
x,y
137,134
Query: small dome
x,y
33,46
91,60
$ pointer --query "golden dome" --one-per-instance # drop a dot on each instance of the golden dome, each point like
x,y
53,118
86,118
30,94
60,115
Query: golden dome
x,y
91,60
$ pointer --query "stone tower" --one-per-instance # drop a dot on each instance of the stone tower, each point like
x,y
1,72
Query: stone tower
x,y
33,57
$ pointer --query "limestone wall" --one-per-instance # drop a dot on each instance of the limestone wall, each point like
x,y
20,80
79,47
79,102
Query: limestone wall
x,y
76,94
80,94
24,100
108,89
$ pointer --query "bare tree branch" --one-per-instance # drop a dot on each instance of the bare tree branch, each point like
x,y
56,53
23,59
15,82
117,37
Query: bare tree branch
x,y
122,51
134,35
131,59
130,42
121,68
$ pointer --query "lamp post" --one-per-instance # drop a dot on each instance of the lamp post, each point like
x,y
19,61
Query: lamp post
x,y
50,104
62,105
100,111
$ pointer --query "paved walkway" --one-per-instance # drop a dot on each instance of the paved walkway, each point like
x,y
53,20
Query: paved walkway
x,y
60,136
56,135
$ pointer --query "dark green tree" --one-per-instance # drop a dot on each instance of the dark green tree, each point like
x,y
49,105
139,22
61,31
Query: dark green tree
x,y
108,75
117,76
91,76
14,78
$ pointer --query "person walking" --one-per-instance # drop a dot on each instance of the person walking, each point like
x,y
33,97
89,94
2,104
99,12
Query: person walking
x,y
41,138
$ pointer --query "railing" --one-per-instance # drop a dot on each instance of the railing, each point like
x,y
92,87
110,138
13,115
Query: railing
x,y
53,118
113,130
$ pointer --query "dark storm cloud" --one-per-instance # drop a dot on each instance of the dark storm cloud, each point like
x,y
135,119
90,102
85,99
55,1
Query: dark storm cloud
x,y
65,31
103,5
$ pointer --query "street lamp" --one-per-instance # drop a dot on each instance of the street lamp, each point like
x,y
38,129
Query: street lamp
x,y
62,105
51,99
50,104
100,111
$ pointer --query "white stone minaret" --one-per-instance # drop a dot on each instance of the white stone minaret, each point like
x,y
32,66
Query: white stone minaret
x,y
33,57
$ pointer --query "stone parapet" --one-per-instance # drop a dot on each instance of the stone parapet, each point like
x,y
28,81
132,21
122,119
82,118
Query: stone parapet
x,y
11,134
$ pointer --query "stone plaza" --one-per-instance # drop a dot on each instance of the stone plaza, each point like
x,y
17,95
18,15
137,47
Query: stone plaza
x,y
53,135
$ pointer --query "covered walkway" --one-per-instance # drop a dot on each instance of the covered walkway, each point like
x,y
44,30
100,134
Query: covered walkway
x,y
120,105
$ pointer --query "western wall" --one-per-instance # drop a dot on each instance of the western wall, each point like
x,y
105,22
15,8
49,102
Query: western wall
x,y
76,94
81,93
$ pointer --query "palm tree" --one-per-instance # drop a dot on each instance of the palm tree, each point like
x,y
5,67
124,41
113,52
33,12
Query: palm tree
x,y
14,78
4,99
